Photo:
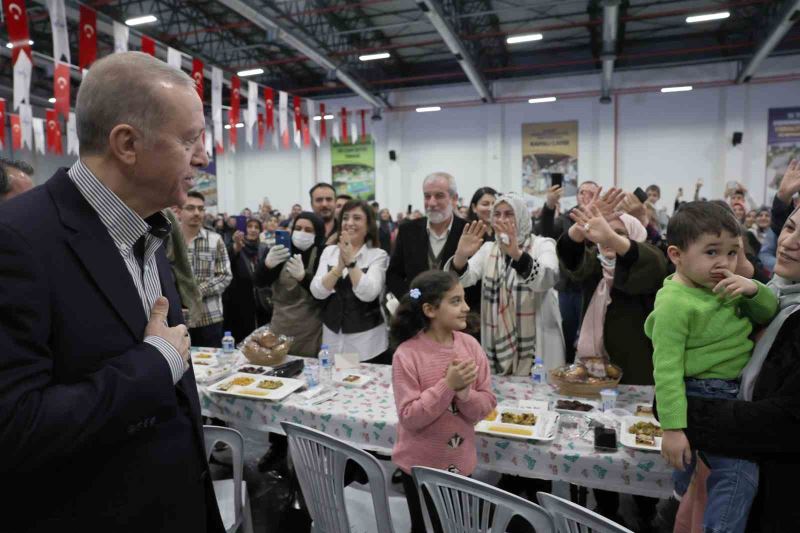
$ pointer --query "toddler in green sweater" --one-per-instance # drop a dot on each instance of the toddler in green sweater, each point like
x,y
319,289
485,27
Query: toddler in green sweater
x,y
700,328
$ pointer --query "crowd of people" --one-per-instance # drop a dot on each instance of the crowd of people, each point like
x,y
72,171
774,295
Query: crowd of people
x,y
97,391
560,284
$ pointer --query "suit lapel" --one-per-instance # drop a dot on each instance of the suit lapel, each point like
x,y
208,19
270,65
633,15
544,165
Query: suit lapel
x,y
452,240
187,386
96,250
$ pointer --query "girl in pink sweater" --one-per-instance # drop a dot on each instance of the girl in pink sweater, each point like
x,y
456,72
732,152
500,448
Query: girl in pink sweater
x,y
442,383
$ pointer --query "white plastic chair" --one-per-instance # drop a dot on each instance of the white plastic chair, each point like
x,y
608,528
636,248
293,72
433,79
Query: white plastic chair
x,y
232,498
573,518
320,461
465,505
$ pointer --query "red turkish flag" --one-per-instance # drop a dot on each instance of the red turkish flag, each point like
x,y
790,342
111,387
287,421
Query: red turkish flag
x,y
323,127
17,27
233,133
345,138
269,99
298,118
363,126
148,45
235,83
16,132
57,142
61,88
306,132
198,76
2,122
261,130
51,123
87,43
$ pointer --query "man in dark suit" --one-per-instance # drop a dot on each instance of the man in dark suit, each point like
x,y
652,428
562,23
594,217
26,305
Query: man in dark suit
x,y
99,415
426,243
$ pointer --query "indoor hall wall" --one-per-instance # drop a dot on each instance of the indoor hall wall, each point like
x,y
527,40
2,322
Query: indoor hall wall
x,y
669,139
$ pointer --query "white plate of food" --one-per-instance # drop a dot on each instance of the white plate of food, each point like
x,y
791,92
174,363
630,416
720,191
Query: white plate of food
x,y
351,379
574,406
253,369
256,387
204,358
641,433
533,424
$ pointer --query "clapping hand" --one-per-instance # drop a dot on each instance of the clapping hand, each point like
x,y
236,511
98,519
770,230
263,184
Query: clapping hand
x,y
593,225
346,251
734,285
461,374
609,203
790,182
469,243
506,231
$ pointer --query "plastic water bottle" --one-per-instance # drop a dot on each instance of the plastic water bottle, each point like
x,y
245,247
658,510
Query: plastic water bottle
x,y
228,345
538,374
325,366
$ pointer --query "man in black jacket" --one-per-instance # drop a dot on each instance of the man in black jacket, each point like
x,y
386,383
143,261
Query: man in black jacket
x,y
426,243
100,424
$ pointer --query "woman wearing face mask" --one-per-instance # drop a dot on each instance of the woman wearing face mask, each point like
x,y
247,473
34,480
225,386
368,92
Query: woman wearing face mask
x,y
244,307
289,273
349,281
519,308
620,274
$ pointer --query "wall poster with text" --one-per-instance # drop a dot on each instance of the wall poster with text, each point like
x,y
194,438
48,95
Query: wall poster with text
x,y
547,148
783,145
353,169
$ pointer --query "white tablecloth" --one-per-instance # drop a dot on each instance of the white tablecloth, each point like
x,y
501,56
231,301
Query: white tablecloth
x,y
367,418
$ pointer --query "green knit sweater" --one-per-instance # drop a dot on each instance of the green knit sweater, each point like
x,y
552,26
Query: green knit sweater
x,y
697,334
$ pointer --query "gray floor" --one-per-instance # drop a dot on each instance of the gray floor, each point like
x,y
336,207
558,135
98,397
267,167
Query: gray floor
x,y
273,512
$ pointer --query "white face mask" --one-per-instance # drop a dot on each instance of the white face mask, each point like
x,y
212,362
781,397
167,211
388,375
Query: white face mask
x,y
302,240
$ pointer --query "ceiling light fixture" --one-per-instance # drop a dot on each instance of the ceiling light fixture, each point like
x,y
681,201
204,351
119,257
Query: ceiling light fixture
x,y
138,21
542,100
372,57
250,72
707,17
52,100
428,109
514,39
11,45
680,89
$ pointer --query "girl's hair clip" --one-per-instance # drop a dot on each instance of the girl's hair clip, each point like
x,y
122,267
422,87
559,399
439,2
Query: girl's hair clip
x,y
415,294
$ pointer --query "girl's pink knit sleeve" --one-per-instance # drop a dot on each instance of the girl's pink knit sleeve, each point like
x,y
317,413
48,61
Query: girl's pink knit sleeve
x,y
480,400
417,408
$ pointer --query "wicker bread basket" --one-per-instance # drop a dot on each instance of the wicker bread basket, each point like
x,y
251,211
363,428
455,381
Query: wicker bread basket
x,y
264,347
572,383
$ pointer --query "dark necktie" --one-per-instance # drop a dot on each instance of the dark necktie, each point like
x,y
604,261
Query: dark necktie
x,y
138,251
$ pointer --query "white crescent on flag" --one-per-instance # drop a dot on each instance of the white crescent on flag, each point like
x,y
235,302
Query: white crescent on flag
x,y
15,10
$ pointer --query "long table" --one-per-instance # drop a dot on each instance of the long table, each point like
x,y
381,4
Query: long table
x,y
367,418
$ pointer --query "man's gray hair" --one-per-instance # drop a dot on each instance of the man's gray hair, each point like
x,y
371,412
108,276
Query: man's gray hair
x,y
451,181
121,89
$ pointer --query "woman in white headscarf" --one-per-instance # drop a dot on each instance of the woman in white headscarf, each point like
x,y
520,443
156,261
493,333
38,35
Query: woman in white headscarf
x,y
520,319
